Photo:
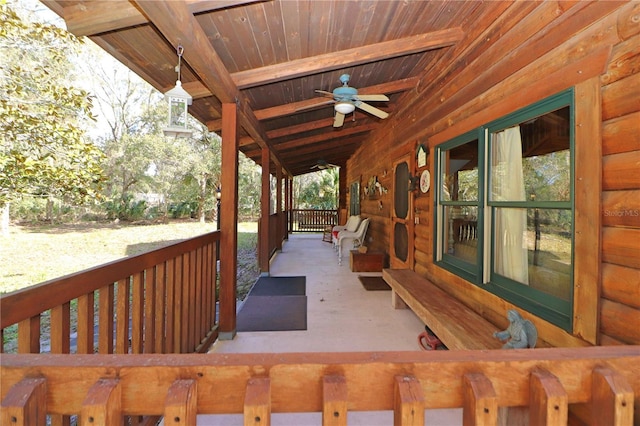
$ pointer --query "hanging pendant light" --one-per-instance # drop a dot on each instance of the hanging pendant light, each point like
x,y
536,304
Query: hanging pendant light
x,y
179,100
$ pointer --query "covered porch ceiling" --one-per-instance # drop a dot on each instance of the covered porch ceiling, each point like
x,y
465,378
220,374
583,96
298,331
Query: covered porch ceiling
x,y
270,57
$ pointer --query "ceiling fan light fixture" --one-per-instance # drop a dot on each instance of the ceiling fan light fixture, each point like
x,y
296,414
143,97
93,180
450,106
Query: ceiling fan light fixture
x,y
345,107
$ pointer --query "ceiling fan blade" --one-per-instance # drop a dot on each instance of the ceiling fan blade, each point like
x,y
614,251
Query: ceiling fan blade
x,y
338,120
372,97
323,92
372,110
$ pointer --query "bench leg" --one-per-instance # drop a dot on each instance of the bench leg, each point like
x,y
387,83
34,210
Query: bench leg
x,y
397,302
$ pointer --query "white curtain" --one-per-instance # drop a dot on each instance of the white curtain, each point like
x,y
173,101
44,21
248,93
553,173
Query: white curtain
x,y
507,184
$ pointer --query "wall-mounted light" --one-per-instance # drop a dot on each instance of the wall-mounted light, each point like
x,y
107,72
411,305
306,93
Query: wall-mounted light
x,y
345,107
178,99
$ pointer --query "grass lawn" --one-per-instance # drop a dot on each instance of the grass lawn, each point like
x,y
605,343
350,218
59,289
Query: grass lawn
x,y
31,254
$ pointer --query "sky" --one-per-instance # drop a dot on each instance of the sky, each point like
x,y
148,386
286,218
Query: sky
x,y
105,62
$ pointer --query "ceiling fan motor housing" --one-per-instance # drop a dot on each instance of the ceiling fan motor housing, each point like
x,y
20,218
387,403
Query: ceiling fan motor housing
x,y
344,93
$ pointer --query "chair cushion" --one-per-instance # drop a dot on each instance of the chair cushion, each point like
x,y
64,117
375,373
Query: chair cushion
x,y
352,223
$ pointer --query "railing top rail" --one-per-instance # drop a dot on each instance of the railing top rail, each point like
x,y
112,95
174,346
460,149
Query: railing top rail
x,y
27,302
440,374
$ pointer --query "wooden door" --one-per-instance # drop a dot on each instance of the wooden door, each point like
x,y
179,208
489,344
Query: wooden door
x,y
402,238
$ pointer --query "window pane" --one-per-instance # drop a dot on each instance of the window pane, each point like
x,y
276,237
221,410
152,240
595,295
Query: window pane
x,y
532,160
533,247
461,232
459,173
549,251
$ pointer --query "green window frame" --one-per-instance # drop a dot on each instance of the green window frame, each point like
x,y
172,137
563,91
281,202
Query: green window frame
x,y
513,235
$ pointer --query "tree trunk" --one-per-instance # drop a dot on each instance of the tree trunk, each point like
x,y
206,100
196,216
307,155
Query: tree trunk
x,y
4,219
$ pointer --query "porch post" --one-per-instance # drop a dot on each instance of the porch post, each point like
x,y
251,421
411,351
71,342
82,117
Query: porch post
x,y
290,195
287,208
228,222
265,204
342,188
279,207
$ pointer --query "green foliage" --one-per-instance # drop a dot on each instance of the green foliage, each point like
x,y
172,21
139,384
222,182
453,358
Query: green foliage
x,y
318,190
43,150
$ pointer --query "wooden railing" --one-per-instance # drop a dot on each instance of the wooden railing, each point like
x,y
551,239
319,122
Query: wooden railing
x,y
600,383
162,301
313,220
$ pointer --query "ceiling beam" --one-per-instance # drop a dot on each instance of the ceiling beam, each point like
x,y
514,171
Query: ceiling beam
x,y
96,17
322,138
200,55
347,58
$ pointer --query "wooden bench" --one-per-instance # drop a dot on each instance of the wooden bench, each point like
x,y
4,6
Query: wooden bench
x,y
456,325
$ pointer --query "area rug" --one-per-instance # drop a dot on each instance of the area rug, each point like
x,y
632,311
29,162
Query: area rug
x,y
373,283
279,286
273,313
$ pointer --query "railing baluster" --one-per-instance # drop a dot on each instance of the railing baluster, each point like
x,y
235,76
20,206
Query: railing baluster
x,y
149,309
103,404
186,304
25,403
334,401
408,402
122,315
193,302
105,320
160,309
548,400
60,328
480,403
137,313
29,335
177,328
257,402
612,398
171,306
181,405
84,341
198,299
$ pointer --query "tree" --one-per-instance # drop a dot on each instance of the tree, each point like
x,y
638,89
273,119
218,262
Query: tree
x,y
43,148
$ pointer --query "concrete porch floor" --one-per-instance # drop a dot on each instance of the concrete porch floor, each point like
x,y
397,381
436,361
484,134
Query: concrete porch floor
x,y
341,317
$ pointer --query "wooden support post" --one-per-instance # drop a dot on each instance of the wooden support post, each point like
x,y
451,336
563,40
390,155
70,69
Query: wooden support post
x,y
334,401
480,403
181,405
408,402
257,402
611,398
103,404
548,400
26,403
279,212
397,302
228,221
265,210
123,298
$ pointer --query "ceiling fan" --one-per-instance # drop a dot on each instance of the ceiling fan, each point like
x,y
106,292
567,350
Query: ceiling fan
x,y
347,99
323,165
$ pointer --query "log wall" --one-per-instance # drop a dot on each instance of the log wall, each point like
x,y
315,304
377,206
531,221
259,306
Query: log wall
x,y
593,47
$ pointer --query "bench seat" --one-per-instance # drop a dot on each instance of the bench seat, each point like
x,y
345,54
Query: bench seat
x,y
456,325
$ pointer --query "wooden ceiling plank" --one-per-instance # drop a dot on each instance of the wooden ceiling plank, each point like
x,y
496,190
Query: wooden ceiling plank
x,y
347,58
97,17
178,25
332,134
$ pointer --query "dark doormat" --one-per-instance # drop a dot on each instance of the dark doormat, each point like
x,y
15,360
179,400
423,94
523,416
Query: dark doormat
x,y
279,286
373,283
273,313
